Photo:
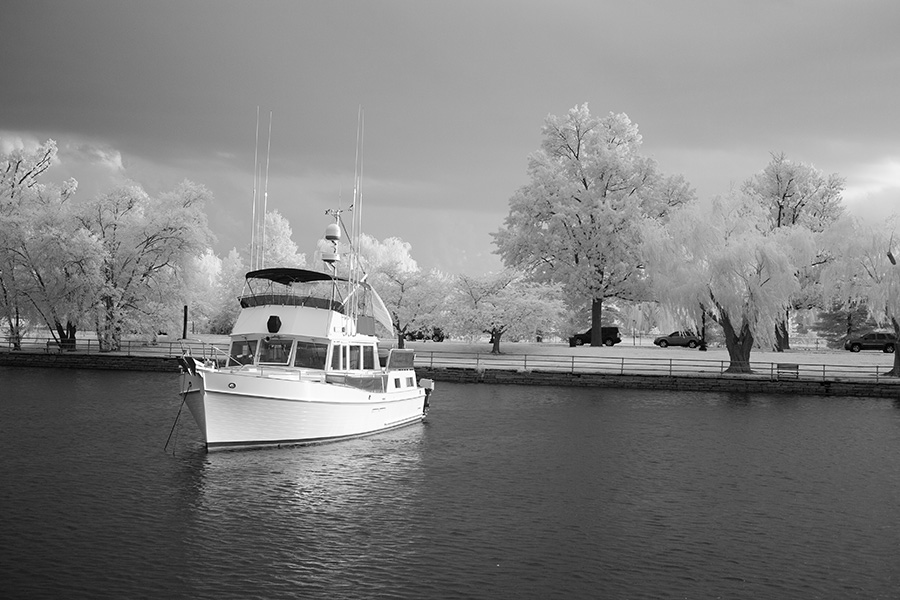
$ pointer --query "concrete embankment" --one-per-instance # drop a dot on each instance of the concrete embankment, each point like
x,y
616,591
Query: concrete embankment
x,y
110,361
882,388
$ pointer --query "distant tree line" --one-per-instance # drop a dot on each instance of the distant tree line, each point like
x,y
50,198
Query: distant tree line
x,y
115,263
598,235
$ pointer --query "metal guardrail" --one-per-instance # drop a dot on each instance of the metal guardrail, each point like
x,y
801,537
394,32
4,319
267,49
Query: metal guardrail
x,y
624,365
646,366
160,349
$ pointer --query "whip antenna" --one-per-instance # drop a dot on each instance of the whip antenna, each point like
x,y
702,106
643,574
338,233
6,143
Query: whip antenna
x,y
266,195
253,224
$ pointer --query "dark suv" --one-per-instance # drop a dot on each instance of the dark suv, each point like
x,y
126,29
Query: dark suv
x,y
609,335
872,341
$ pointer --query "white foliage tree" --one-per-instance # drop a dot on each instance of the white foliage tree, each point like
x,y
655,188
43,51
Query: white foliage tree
x,y
503,303
148,244
724,262
798,195
229,285
281,250
413,297
48,262
202,281
577,221
866,271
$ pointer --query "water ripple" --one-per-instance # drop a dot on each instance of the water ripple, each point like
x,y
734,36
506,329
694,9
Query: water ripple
x,y
506,492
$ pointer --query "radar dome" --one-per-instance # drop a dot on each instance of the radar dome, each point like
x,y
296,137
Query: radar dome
x,y
332,232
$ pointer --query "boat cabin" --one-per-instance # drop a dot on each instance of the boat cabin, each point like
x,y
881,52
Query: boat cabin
x,y
309,324
311,353
350,362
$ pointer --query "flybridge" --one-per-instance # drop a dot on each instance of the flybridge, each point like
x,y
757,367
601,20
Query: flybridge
x,y
314,289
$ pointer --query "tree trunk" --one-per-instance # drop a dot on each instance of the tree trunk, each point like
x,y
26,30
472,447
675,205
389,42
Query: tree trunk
x,y
596,312
66,335
702,328
15,327
895,371
739,344
108,332
401,340
783,333
782,342
495,340
15,331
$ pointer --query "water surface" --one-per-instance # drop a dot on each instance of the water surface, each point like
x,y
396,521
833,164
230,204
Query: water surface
x,y
505,492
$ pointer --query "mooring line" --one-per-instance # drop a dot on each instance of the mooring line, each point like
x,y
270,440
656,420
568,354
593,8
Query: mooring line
x,y
180,408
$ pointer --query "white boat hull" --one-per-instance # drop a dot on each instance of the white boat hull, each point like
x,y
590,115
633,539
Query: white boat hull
x,y
236,409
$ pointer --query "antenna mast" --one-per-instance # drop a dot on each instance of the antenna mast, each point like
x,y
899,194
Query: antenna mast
x,y
255,197
266,196
356,222
356,218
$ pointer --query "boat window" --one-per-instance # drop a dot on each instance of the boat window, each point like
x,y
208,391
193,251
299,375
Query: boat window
x,y
311,355
400,359
336,354
368,357
354,358
275,351
243,351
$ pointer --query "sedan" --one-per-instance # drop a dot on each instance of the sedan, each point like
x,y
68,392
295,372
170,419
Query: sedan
x,y
678,338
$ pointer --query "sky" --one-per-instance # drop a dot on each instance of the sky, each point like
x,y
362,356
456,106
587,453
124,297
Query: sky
x,y
454,95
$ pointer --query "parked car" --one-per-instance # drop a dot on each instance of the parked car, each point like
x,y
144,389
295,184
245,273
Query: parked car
x,y
609,335
872,341
678,338
436,334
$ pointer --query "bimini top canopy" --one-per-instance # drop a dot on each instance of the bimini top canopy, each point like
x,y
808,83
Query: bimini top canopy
x,y
286,276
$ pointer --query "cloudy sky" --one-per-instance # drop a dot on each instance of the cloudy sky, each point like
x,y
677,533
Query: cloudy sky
x,y
454,92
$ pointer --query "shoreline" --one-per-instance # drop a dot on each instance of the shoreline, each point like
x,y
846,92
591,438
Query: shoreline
x,y
738,384
701,382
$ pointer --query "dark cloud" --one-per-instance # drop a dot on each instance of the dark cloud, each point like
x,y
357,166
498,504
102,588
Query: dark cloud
x,y
454,93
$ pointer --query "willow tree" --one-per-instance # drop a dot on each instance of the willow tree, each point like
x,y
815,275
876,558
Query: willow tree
x,y
866,271
795,194
577,222
722,261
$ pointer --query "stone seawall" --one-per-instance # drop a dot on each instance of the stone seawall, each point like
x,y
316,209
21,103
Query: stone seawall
x,y
111,362
699,383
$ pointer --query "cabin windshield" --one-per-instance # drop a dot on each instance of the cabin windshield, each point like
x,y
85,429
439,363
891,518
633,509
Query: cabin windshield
x,y
311,355
274,351
243,351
